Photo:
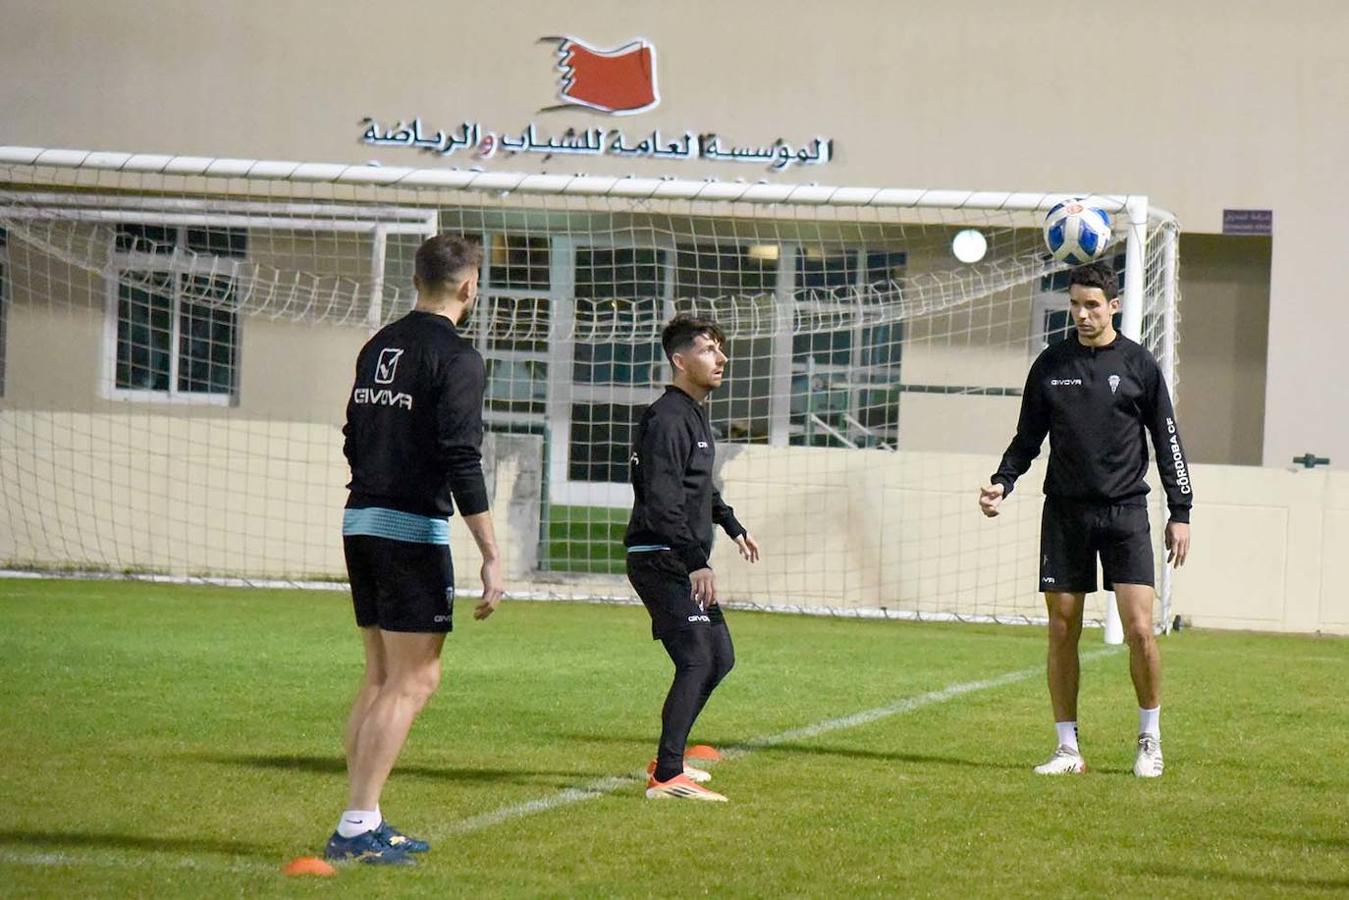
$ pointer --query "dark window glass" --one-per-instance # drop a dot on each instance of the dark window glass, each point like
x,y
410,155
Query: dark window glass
x,y
516,323
515,385
146,238
4,312
144,332
231,242
520,262
601,441
207,335
617,294
716,270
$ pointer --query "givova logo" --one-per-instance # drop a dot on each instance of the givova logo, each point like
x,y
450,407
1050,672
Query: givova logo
x,y
381,397
1065,382
387,366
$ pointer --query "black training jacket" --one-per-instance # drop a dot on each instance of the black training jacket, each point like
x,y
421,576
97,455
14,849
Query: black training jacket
x,y
1095,404
674,502
414,420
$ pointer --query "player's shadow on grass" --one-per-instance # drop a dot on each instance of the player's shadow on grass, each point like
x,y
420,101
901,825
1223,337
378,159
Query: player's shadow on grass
x,y
888,756
1210,877
1301,841
648,741
85,839
336,765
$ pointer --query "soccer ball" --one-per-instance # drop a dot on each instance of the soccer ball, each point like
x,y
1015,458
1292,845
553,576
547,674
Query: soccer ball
x,y
1076,232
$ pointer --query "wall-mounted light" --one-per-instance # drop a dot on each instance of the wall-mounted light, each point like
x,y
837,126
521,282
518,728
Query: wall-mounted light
x,y
969,245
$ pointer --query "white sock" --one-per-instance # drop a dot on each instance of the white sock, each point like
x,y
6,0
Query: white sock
x,y
1150,721
1067,734
358,821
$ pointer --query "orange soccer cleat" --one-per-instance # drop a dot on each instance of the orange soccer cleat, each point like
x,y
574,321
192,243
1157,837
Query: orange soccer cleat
x,y
680,787
695,775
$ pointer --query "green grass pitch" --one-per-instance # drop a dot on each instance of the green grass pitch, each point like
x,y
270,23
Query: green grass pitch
x,y
185,741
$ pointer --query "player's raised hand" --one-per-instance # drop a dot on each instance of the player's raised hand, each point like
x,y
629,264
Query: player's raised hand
x,y
990,498
492,589
749,548
1177,543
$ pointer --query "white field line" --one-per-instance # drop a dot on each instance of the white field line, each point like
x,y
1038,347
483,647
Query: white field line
x,y
608,785
600,787
104,859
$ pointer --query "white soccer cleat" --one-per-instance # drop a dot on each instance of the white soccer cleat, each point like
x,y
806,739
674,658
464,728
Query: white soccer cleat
x,y
1065,761
1148,762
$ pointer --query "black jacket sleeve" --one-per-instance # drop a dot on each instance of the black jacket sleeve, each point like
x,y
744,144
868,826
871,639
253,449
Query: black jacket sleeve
x,y
349,442
724,516
1172,466
459,430
664,455
1031,427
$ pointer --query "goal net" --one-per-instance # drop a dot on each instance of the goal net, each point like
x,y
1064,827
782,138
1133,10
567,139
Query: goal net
x,y
177,339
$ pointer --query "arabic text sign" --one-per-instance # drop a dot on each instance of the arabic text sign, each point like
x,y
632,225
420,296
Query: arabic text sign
x,y
483,144
1248,221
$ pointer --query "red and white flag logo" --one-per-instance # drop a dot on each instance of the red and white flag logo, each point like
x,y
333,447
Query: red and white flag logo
x,y
621,81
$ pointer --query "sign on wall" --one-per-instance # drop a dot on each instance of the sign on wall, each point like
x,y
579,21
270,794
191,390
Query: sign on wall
x,y
1248,221
618,82
621,82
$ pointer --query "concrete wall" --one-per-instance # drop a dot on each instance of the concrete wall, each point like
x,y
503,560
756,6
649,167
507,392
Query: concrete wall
x,y
857,529
845,529
1203,106
196,495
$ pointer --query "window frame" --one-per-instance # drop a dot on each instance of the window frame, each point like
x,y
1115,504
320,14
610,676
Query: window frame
x,y
178,263
6,273
801,431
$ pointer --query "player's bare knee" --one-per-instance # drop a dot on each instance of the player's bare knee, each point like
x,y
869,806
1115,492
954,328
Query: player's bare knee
x,y
1064,630
418,686
1140,637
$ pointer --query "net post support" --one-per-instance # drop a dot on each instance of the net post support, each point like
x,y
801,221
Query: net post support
x,y
375,313
1131,326
1170,239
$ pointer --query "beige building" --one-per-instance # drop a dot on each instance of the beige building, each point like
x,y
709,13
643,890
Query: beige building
x,y
1157,101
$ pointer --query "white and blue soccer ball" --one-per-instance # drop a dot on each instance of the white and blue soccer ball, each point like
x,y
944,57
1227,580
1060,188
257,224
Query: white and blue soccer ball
x,y
1077,232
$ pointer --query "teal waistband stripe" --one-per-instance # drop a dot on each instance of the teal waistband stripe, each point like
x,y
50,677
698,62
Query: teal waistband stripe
x,y
647,548
395,525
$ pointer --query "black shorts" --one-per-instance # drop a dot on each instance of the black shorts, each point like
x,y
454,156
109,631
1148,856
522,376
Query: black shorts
x,y
400,585
663,583
1072,533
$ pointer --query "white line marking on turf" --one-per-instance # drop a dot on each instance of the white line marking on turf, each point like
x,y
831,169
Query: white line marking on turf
x,y
107,860
603,786
600,787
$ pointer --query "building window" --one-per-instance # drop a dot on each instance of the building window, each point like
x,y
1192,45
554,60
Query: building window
x,y
515,304
845,374
601,441
618,292
735,280
4,305
617,357
174,319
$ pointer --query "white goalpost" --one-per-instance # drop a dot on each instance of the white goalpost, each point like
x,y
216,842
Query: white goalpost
x,y
177,338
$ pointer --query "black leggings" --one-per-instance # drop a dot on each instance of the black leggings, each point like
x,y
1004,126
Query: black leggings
x,y
702,655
